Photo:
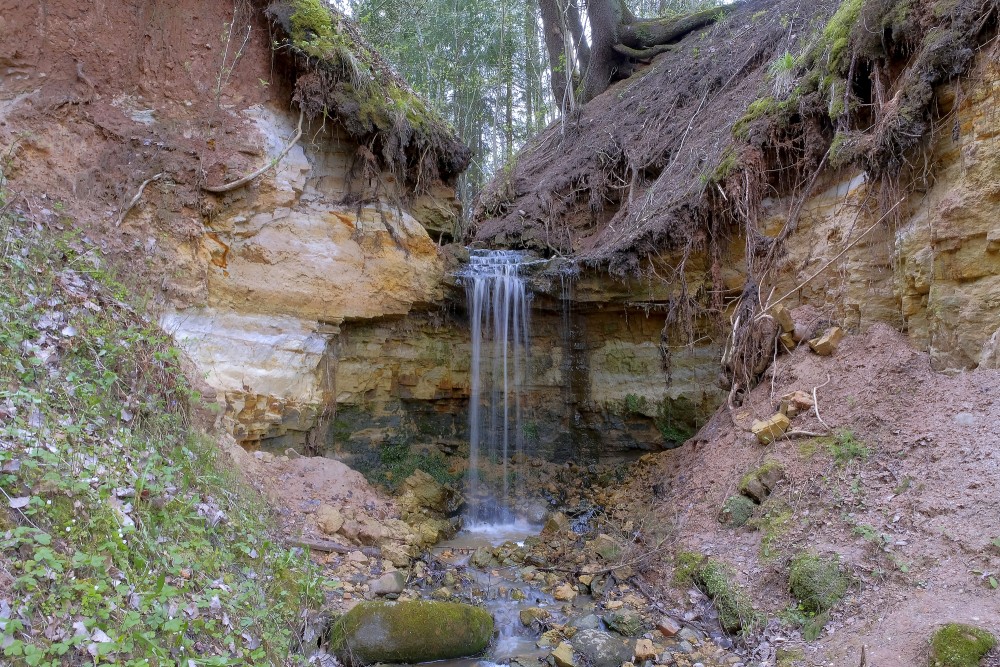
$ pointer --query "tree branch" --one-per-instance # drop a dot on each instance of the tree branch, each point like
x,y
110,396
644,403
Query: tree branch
x,y
249,177
643,54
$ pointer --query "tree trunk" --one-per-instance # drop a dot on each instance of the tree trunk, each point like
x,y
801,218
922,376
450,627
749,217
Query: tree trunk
x,y
579,36
558,67
606,65
618,40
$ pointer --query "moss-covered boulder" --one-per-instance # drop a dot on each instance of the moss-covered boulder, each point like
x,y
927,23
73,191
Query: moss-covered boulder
x,y
817,583
410,632
959,645
736,511
760,482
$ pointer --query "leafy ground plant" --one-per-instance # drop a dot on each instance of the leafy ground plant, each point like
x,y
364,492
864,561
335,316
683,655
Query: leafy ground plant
x,y
124,537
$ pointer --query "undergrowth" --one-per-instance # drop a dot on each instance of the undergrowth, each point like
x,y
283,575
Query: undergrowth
x,y
124,537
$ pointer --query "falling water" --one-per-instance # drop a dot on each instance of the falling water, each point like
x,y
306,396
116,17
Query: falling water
x,y
498,312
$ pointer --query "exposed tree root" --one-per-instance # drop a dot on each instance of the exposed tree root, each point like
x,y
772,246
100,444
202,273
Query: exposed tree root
x,y
228,187
135,199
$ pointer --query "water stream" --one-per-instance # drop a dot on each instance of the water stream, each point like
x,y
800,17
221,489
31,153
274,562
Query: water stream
x,y
499,319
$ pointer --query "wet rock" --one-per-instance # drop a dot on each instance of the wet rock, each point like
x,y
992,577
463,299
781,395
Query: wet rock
x,y
564,593
826,344
588,622
483,559
409,632
563,655
556,523
329,519
626,623
601,649
769,430
389,583
668,627
532,614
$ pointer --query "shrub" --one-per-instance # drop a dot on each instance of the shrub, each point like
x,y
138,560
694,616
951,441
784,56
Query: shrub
x,y
817,583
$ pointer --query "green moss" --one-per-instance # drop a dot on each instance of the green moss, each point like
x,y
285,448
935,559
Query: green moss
x,y
736,511
774,520
686,566
410,632
736,611
837,33
817,583
766,475
959,645
718,581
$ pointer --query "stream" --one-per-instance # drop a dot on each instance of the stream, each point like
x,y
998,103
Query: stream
x,y
500,589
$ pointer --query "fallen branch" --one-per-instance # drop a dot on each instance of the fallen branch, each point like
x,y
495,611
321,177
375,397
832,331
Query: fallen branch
x,y
135,199
332,547
249,177
803,434
816,402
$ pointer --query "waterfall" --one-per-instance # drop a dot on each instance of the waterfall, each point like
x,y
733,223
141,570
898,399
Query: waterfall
x,y
498,312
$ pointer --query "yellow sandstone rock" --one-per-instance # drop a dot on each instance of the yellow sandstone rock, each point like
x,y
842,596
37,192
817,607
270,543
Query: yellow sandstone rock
x,y
644,650
770,430
795,403
826,344
783,318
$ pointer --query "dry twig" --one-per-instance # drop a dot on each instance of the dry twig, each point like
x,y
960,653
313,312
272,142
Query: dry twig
x,y
249,177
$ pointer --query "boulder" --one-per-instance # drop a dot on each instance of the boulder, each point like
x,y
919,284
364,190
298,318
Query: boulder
x,y
423,493
564,593
795,403
626,623
388,584
644,650
769,430
783,317
410,632
605,547
601,649
329,519
826,344
531,614
588,622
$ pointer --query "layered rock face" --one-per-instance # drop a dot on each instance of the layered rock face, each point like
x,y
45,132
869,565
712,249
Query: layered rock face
x,y
935,271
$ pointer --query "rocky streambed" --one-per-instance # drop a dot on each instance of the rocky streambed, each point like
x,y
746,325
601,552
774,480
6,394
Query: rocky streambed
x,y
542,609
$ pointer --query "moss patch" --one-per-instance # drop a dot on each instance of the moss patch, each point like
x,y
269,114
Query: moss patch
x,y
959,645
718,581
736,611
410,632
736,511
817,583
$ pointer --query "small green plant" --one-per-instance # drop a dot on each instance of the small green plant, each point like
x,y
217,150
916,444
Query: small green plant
x,y
736,610
960,645
782,71
844,448
718,581
817,583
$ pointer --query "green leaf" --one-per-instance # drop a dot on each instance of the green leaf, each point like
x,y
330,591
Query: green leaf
x,y
993,583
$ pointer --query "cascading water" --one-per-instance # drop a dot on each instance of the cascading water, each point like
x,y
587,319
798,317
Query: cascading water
x,y
497,298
